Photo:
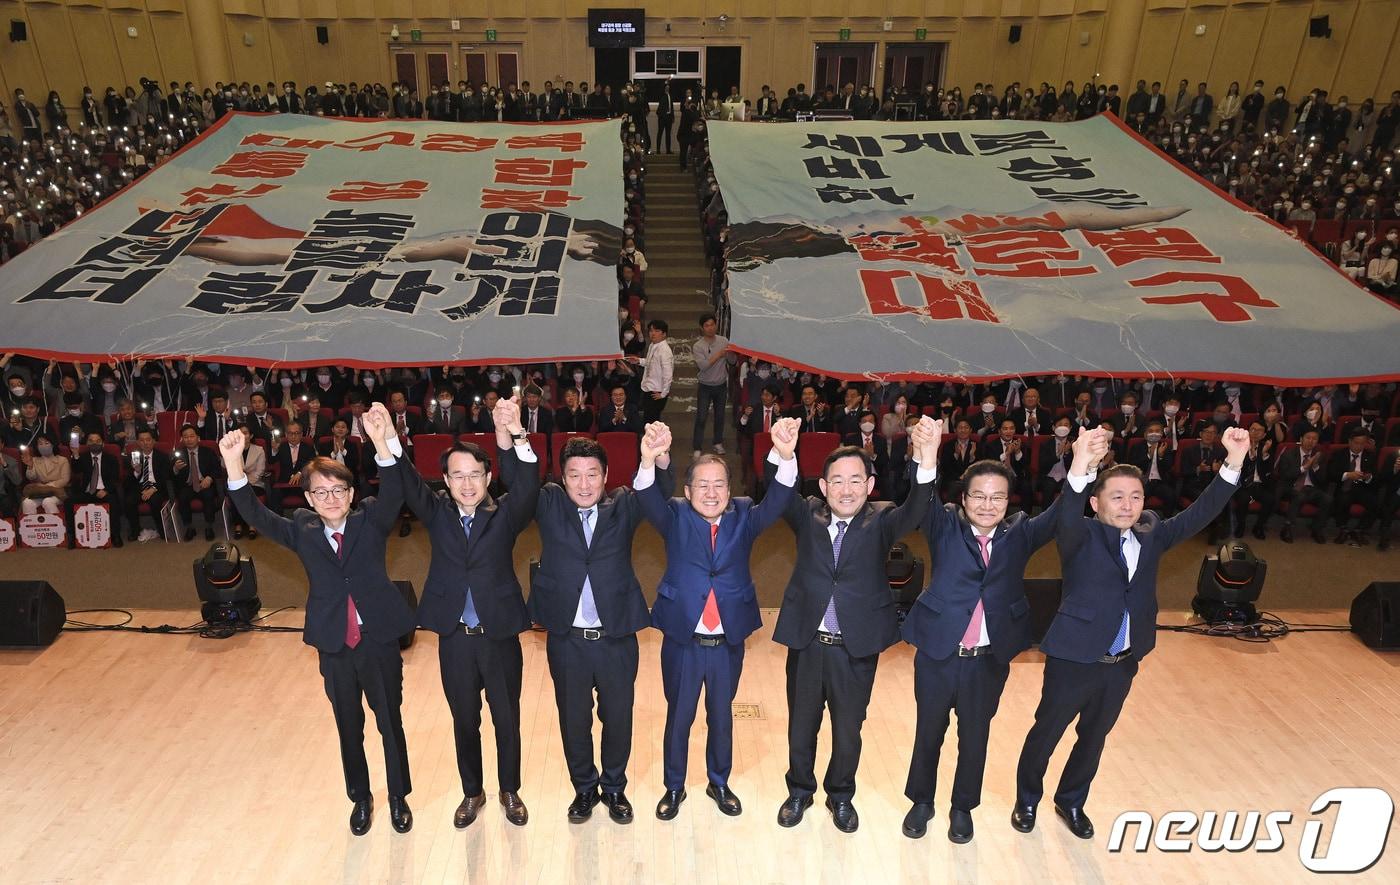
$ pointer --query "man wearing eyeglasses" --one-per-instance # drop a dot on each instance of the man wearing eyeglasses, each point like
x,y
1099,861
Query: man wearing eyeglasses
x,y
473,600
354,613
967,626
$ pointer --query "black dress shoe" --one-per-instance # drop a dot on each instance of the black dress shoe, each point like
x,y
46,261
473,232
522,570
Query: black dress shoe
x,y
361,816
1023,818
1259,532
516,812
189,533
404,529
619,809
400,815
843,814
1341,537
238,533
726,800
1286,534
208,533
133,536
790,812
581,809
1318,536
252,534
466,813
1077,821
1384,543
959,825
116,539
670,804
916,821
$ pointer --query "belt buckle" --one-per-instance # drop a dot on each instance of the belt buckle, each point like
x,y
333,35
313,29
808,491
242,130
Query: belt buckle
x,y
826,638
592,634
964,652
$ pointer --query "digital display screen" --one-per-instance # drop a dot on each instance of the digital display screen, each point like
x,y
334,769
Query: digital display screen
x,y
615,28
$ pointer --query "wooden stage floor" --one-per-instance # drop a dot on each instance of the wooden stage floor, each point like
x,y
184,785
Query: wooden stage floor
x,y
137,758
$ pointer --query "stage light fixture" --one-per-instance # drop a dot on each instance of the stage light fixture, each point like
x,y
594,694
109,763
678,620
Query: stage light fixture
x,y
227,583
1229,584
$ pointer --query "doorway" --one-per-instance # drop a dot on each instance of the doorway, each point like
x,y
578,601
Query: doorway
x,y
493,64
422,67
837,64
908,66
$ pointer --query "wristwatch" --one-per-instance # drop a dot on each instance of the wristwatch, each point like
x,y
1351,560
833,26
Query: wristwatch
x,y
520,437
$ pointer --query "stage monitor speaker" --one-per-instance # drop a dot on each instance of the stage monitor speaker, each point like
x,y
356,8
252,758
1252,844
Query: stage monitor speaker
x,y
1014,35
31,613
1375,614
19,31
409,596
323,34
1318,26
1044,595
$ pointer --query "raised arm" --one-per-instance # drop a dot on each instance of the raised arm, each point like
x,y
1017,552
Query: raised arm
x,y
385,506
1089,448
1208,506
925,437
780,476
655,460
521,477
275,526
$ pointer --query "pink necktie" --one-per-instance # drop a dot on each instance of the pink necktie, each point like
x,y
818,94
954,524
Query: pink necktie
x,y
973,633
352,624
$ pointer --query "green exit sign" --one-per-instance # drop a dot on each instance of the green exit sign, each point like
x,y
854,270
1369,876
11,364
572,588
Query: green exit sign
x,y
845,33
490,35
416,35
920,33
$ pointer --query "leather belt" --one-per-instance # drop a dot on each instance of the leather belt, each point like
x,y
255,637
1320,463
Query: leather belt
x,y
974,652
1113,659
709,640
478,630
592,634
826,638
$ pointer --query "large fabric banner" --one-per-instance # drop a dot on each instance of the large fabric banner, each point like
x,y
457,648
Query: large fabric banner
x,y
985,250
295,240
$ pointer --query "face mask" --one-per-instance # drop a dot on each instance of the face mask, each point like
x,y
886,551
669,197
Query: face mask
x,y
764,372
369,381
18,390
900,407
578,377
1232,391
867,427
94,449
45,450
1221,419
75,412
495,377
988,408
1154,438
109,386
627,337
631,249
444,404
1061,431
1314,414
1128,408
286,382
1170,411
1100,388
1015,383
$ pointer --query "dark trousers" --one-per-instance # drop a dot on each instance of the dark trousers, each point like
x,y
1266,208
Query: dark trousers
x,y
133,502
578,667
826,676
471,665
1386,509
1093,692
372,671
185,494
972,687
1310,495
1165,492
710,398
1349,493
663,133
1254,491
685,668
652,407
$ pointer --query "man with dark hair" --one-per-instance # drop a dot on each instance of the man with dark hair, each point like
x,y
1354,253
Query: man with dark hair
x,y
588,598
711,354
97,480
837,616
194,469
706,605
1153,456
1302,476
968,625
146,483
473,601
1353,468
657,370
355,615
1107,619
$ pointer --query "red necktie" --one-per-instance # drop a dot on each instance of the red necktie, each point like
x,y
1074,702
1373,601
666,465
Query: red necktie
x,y
710,616
352,624
974,627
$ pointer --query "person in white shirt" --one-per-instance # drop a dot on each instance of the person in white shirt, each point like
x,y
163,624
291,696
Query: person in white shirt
x,y
657,368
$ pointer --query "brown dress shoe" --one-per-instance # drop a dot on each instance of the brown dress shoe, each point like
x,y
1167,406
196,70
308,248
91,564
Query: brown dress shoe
x,y
516,812
467,811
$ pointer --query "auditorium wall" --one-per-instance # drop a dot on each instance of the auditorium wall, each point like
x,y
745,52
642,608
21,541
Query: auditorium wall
x,y
75,42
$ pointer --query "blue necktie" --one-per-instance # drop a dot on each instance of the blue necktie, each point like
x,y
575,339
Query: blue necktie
x,y
469,612
829,622
590,610
1121,639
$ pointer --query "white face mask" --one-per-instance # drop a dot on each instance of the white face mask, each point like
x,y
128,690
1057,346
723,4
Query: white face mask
x,y
286,382
444,404
494,377
75,412
627,337
1154,438
578,377
1061,431
18,390
867,427
988,408
1170,411
900,407
1128,408
764,373
1314,414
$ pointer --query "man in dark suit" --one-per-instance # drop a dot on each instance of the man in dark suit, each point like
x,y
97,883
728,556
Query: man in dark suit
x,y
960,453
535,417
146,483
619,414
1154,457
1353,468
812,411
444,416
837,616
876,446
355,615
97,480
705,606
472,600
1107,620
968,624
1302,476
588,598
195,471
1031,418
216,420
574,417
407,425
293,454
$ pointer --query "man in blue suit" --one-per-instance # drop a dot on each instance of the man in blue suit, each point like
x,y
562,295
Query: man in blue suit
x,y
706,605
968,625
1107,619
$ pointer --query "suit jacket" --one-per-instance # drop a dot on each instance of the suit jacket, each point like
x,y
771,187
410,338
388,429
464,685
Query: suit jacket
x,y
1044,420
352,455
111,473
693,568
210,429
631,419
1339,461
412,422
262,427
358,573
993,447
306,453
209,465
1096,585
566,559
160,474
950,466
1140,456
118,426
568,421
484,562
1047,457
937,621
882,453
544,422
453,421
1289,468
817,423
864,606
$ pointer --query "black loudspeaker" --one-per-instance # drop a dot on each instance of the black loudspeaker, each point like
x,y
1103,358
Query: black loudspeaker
x,y
19,31
409,596
1014,35
905,572
323,34
1318,26
31,613
1044,597
1375,614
